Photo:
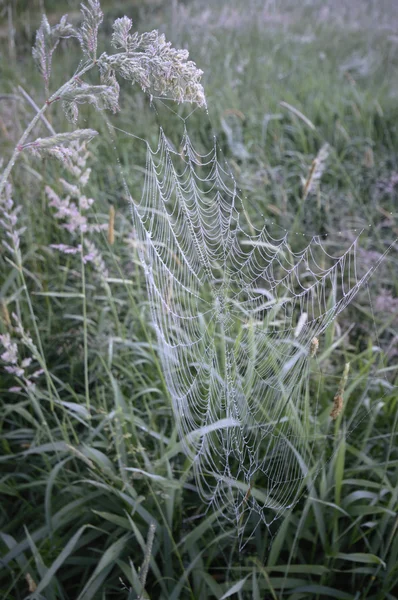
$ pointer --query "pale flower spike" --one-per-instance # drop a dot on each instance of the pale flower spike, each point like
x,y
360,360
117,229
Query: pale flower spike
x,y
88,33
10,354
146,59
150,61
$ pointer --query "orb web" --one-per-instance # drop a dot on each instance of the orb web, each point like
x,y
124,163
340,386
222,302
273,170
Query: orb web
x,y
236,311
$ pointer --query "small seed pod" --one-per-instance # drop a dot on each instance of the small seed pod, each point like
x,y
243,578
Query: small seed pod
x,y
111,226
338,403
338,400
314,347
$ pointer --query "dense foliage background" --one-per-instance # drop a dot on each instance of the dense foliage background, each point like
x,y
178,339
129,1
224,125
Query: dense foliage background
x,y
74,522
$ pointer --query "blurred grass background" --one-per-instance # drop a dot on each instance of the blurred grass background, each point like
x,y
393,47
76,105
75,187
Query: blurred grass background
x,y
74,523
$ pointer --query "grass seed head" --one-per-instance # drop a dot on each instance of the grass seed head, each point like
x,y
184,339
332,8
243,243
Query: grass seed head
x,y
314,347
338,403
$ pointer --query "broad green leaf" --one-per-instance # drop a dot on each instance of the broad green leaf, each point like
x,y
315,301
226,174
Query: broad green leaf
x,y
50,447
328,592
211,584
361,557
112,518
91,590
235,588
59,294
310,569
58,562
107,561
339,471
10,542
331,504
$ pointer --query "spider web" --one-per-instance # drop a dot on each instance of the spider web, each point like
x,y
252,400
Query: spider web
x,y
236,311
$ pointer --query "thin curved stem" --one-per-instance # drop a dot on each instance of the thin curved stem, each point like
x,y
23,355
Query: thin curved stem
x,y
34,121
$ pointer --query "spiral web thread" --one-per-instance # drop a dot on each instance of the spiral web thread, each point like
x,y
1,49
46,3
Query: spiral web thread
x,y
235,312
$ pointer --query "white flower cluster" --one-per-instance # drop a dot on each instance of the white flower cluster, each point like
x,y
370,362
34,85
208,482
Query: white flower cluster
x,y
150,61
71,210
9,223
147,59
47,39
14,363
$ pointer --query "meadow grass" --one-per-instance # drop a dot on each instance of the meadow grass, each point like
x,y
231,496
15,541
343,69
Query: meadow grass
x,y
75,521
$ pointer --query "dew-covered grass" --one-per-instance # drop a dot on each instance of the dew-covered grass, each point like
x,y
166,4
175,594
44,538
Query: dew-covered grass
x,y
91,463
